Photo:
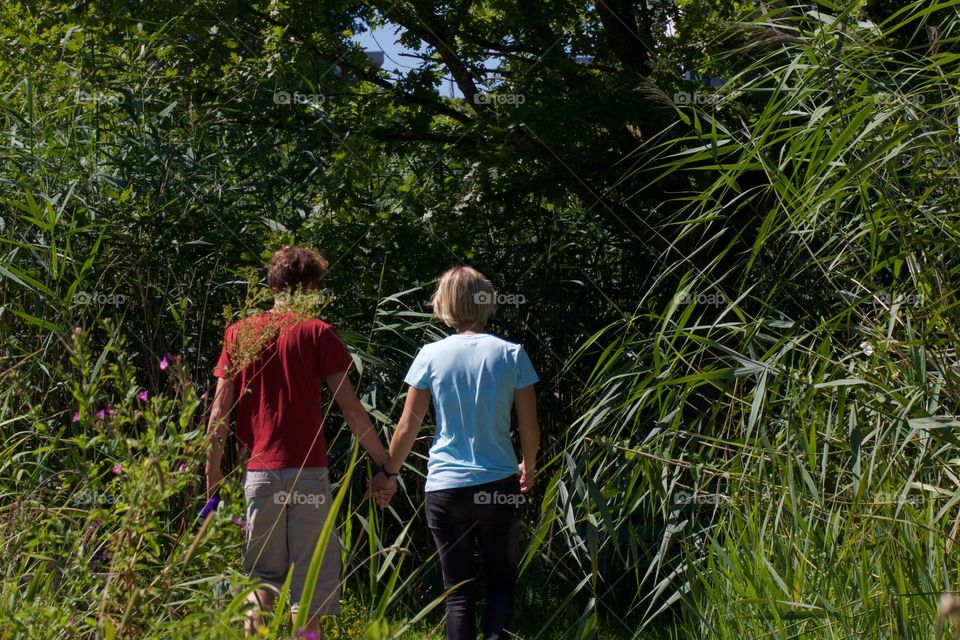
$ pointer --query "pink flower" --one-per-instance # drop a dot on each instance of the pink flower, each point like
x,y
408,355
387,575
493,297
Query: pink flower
x,y
164,363
246,526
77,331
118,468
76,416
101,414
143,395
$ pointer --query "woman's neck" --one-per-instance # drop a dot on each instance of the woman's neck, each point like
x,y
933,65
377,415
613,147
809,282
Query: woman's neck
x,y
470,328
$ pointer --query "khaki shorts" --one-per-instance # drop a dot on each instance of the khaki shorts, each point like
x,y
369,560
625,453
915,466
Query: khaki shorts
x,y
286,509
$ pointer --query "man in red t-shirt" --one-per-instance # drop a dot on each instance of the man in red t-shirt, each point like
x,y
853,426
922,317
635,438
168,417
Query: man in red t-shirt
x,y
272,368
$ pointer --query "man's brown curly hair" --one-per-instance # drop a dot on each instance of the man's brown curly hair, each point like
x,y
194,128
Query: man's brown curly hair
x,y
295,268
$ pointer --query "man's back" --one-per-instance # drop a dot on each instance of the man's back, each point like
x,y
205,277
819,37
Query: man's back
x,y
280,363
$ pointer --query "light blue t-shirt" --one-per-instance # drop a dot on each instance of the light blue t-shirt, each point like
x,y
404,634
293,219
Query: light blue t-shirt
x,y
472,378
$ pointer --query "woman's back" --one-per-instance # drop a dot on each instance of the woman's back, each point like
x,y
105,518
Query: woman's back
x,y
472,378
474,484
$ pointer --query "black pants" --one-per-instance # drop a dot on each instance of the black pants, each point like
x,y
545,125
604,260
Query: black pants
x,y
488,514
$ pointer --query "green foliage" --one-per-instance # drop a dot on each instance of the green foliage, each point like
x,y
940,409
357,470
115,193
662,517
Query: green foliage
x,y
790,419
742,309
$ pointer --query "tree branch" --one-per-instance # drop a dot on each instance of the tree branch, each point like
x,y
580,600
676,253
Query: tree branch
x,y
429,29
368,73
620,26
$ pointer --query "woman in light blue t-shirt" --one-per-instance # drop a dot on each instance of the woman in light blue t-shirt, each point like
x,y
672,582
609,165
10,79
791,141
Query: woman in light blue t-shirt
x,y
475,485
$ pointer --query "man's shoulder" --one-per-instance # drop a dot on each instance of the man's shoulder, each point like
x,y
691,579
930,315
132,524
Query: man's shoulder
x,y
288,319
315,325
237,326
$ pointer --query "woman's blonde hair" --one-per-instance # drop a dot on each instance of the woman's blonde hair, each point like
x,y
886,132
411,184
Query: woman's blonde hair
x,y
463,296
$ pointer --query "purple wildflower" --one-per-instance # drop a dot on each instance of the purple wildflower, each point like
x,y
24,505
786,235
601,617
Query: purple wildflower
x,y
246,526
118,468
76,416
143,395
164,363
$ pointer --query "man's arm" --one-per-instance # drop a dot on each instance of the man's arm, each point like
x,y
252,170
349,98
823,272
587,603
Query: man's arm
x,y
360,424
217,430
356,416
525,400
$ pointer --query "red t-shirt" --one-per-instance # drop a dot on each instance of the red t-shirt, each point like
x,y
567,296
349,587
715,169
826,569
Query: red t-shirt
x,y
280,367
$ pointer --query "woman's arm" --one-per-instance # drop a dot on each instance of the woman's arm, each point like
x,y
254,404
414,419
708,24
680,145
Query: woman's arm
x,y
525,400
414,410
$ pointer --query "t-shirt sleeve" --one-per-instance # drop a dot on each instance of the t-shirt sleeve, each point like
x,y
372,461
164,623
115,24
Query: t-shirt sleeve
x,y
222,370
526,376
334,357
419,374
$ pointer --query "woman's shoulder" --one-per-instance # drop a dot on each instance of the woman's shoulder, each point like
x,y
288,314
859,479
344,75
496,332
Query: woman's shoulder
x,y
503,343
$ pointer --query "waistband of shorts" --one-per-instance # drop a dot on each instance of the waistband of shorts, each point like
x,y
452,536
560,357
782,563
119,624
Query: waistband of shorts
x,y
289,473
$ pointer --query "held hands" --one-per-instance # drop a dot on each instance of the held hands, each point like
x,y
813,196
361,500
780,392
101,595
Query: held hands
x,y
526,478
381,489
